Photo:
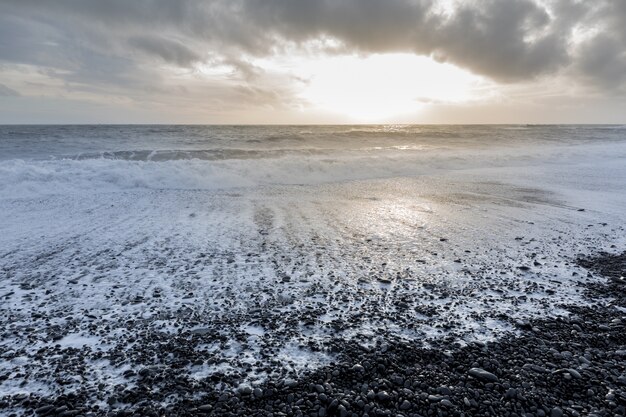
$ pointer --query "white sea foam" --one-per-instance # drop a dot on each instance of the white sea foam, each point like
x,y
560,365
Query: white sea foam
x,y
21,178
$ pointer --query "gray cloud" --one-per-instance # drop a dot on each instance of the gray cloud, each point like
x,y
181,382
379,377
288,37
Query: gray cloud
x,y
506,40
510,40
601,59
7,92
170,51
116,42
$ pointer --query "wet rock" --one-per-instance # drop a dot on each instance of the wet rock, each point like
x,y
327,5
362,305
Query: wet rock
x,y
205,408
358,368
483,375
447,403
556,412
383,396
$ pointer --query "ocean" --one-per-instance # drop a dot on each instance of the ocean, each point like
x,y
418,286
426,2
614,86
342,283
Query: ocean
x,y
236,255
64,159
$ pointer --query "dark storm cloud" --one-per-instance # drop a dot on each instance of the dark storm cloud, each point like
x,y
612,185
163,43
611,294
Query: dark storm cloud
x,y
507,40
489,37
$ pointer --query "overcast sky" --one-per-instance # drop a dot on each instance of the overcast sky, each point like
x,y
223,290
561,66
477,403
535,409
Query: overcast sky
x,y
310,61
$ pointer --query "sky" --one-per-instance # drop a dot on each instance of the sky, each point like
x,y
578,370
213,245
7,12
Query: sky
x,y
312,61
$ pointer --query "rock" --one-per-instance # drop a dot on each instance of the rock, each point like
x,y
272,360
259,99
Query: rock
x,y
398,380
201,331
483,375
289,383
511,394
245,390
358,368
44,409
535,368
405,405
383,396
205,408
556,412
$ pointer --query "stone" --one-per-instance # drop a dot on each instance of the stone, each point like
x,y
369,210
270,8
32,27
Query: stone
x,y
383,396
483,375
245,390
358,368
556,412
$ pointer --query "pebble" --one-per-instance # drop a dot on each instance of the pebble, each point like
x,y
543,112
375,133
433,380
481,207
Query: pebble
x,y
245,390
358,368
44,409
556,412
483,375
383,396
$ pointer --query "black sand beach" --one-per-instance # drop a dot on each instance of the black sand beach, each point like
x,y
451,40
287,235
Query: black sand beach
x,y
573,366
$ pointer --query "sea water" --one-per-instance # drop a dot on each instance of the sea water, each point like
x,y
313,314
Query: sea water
x,y
36,160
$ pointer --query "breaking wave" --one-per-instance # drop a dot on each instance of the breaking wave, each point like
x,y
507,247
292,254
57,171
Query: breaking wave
x,y
223,169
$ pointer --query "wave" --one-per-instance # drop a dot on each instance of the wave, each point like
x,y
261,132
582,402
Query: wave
x,y
133,170
183,154
234,153
21,178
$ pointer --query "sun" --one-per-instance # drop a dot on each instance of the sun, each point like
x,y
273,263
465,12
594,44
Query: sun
x,y
380,87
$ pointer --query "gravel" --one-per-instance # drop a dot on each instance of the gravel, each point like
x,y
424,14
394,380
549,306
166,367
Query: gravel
x,y
573,365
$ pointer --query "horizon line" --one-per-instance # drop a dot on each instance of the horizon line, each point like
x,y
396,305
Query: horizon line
x,y
313,124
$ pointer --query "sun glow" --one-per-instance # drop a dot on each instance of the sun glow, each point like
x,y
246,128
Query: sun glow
x,y
381,87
